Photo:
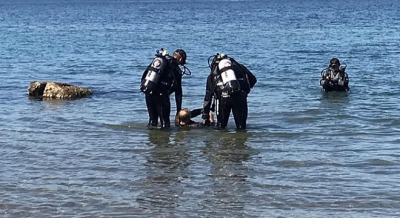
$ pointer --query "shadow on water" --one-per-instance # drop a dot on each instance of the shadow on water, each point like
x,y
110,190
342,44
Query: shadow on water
x,y
227,152
166,168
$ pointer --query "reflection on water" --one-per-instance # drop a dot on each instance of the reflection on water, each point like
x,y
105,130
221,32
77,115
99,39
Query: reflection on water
x,y
226,146
53,104
228,154
166,168
221,183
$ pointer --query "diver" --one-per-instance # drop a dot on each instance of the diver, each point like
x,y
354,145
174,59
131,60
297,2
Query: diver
x,y
334,78
160,79
229,84
184,118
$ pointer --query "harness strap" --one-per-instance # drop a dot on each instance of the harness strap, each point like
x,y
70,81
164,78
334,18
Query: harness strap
x,y
225,69
153,69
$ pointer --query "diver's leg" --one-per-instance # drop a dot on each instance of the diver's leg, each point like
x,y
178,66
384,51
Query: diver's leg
x,y
240,111
225,109
152,110
165,111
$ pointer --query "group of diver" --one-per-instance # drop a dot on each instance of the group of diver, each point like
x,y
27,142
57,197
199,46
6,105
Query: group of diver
x,y
227,87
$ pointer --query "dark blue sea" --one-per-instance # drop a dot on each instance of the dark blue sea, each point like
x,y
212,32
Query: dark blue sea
x,y
306,153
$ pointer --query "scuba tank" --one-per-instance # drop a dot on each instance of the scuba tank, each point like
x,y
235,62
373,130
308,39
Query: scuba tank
x,y
154,72
228,76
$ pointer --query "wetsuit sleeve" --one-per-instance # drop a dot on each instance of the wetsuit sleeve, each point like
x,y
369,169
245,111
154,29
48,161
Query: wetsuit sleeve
x,y
250,76
208,97
178,92
196,112
251,79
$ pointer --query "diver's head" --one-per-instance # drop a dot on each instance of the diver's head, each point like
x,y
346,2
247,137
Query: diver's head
x,y
182,117
334,64
180,56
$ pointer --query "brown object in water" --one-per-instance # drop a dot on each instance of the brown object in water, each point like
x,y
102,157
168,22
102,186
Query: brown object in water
x,y
57,90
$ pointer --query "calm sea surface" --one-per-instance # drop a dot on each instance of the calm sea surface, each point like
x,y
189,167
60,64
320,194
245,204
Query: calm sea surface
x,y
305,153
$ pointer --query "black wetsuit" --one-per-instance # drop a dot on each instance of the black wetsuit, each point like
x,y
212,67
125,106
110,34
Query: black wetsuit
x,y
158,103
227,102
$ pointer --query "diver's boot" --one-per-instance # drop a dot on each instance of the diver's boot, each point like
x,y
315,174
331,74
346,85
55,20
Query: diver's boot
x,y
219,126
240,127
152,124
165,124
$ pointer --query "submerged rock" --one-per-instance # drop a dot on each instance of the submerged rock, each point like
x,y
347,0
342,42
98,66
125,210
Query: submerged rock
x,y
56,90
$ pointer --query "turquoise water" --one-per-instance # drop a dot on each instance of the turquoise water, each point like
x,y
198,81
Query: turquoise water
x,y
305,153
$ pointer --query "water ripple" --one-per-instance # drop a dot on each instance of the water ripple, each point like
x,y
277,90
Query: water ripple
x,y
306,153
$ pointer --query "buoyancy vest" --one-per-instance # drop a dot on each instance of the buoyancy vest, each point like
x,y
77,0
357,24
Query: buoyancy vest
x,y
331,81
338,76
155,73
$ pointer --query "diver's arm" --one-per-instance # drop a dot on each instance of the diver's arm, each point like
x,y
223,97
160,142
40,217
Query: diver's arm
x,y
250,76
196,112
208,98
212,122
346,77
178,94
252,80
346,81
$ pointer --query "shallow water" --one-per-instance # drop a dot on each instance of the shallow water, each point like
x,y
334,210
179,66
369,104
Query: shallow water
x,y
306,153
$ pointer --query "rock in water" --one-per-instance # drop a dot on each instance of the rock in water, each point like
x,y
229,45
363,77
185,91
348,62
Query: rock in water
x,y
56,90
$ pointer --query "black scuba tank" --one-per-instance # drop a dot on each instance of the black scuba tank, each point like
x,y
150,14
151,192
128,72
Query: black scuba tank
x,y
228,76
154,73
